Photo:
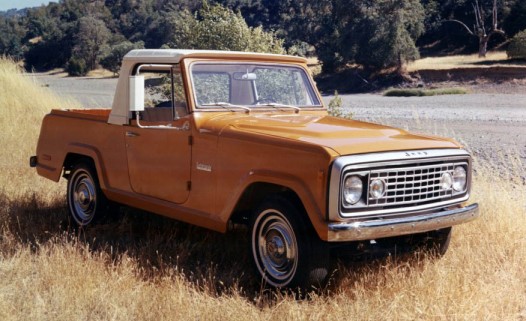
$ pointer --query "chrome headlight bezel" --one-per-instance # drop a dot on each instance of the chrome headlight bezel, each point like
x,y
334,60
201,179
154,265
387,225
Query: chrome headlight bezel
x,y
377,188
352,190
460,179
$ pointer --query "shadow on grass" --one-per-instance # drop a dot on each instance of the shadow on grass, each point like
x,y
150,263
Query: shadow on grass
x,y
215,263
500,62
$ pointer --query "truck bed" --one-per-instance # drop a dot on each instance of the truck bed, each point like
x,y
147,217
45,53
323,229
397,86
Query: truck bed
x,y
92,114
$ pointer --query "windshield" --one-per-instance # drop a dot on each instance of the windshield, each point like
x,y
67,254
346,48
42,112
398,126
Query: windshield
x,y
252,85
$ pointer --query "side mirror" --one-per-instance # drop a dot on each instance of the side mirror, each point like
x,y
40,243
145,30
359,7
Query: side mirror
x,y
136,93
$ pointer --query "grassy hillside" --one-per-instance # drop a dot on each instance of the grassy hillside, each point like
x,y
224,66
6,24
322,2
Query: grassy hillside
x,y
143,267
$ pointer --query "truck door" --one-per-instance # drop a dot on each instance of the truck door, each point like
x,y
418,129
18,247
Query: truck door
x,y
158,146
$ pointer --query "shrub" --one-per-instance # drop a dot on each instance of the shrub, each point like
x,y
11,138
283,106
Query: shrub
x,y
77,67
413,92
517,47
335,107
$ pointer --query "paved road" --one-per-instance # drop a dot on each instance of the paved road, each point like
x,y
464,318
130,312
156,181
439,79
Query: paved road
x,y
90,92
492,126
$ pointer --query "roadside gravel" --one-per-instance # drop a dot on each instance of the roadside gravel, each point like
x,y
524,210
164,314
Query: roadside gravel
x,y
491,125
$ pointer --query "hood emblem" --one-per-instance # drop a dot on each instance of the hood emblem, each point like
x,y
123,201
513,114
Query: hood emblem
x,y
415,154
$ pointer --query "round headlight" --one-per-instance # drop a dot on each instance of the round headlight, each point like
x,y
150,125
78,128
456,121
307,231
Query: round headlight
x,y
377,188
459,179
446,181
352,190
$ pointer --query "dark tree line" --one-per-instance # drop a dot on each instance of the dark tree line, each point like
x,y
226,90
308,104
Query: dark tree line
x,y
375,34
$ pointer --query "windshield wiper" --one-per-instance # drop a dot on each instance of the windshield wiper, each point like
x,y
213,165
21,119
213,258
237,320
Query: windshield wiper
x,y
276,105
226,105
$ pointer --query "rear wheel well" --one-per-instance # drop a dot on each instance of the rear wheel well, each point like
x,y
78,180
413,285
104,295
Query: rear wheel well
x,y
255,194
73,159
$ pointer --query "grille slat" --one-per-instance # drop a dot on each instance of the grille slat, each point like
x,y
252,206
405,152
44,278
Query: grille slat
x,y
415,187
409,184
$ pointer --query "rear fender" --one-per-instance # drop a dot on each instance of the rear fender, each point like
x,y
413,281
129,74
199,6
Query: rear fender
x,y
86,151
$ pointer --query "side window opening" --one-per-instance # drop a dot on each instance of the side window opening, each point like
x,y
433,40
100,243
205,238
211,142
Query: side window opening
x,y
164,95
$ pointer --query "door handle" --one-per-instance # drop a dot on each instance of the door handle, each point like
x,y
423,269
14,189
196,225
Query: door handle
x,y
131,134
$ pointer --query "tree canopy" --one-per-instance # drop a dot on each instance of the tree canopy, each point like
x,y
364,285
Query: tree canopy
x,y
375,34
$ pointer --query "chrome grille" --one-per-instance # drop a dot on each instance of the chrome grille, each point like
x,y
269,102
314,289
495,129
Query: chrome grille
x,y
411,184
412,180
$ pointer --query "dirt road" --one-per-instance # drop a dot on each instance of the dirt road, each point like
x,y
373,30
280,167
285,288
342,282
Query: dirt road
x,y
491,125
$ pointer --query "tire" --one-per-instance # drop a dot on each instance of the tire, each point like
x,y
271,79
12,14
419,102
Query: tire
x,y
286,251
85,199
438,241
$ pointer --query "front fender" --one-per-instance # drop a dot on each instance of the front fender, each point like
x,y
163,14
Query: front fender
x,y
314,212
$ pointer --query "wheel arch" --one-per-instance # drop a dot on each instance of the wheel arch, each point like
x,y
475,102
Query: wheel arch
x,y
84,153
257,192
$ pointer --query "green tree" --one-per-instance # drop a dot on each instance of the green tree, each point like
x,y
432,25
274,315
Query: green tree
x,y
91,41
373,33
112,61
514,17
219,28
481,29
517,47
390,33
11,34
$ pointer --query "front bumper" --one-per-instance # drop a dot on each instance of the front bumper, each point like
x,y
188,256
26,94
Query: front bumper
x,y
417,223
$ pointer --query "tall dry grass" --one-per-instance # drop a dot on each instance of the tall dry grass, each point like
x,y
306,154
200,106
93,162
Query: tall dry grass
x,y
143,267
498,58
23,104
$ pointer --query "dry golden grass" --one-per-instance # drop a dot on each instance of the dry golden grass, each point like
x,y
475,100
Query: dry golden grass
x,y
143,267
100,73
497,58
23,104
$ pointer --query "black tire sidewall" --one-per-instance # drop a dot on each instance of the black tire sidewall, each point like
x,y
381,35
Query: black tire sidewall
x,y
87,169
310,252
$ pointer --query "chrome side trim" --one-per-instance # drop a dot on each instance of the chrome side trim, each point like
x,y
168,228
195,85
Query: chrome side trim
x,y
344,163
379,228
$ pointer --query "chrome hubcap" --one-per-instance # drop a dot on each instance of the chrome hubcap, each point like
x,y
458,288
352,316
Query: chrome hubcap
x,y
276,249
84,198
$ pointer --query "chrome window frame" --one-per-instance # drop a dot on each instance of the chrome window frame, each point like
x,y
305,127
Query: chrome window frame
x,y
343,165
305,75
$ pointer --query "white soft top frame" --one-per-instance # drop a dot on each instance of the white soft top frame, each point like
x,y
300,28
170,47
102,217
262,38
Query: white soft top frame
x,y
120,114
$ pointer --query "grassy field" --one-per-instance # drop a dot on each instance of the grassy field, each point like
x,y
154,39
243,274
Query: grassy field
x,y
142,267
493,59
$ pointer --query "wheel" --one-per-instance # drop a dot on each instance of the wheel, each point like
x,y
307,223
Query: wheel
x,y
438,241
435,242
84,196
286,251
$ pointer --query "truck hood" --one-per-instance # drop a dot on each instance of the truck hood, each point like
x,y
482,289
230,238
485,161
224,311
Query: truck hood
x,y
341,135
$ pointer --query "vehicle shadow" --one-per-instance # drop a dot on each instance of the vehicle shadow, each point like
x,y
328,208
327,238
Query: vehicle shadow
x,y
215,263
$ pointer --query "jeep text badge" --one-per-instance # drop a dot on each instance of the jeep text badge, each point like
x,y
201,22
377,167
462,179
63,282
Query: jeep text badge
x,y
203,167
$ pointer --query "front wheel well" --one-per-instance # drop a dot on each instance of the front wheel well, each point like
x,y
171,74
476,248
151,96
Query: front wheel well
x,y
255,194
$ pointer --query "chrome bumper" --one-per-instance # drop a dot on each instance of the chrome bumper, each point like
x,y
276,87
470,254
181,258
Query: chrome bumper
x,y
375,229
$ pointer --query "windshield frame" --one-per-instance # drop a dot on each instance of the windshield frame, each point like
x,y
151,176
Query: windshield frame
x,y
305,75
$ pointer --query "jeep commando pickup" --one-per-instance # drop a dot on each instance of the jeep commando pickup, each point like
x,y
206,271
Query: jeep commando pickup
x,y
217,139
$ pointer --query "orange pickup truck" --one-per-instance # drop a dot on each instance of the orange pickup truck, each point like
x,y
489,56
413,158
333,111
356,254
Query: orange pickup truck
x,y
217,139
